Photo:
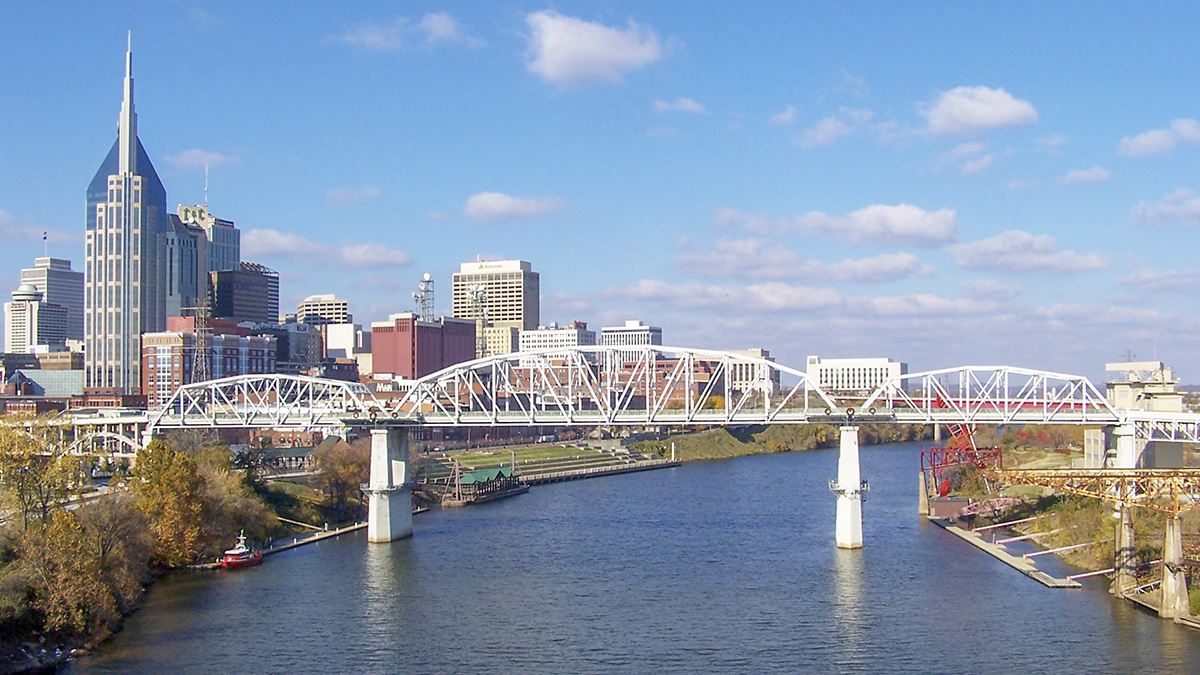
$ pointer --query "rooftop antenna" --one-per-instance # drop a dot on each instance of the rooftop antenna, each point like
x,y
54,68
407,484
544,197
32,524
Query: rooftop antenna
x,y
424,298
477,293
206,185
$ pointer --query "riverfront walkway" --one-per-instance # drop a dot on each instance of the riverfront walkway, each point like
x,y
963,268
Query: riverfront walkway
x,y
596,471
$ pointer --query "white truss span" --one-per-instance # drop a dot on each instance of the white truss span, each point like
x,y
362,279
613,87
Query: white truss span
x,y
592,385
990,395
264,401
631,386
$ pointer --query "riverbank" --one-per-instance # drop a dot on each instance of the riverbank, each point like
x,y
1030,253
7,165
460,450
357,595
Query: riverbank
x,y
730,442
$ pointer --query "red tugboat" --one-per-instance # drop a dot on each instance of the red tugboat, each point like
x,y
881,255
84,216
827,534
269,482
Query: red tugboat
x,y
241,555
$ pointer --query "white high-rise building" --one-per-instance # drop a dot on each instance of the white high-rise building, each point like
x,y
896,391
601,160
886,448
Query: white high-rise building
x,y
322,309
29,322
574,334
852,375
60,285
748,375
125,273
508,293
632,334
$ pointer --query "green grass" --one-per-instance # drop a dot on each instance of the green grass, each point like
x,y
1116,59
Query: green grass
x,y
501,457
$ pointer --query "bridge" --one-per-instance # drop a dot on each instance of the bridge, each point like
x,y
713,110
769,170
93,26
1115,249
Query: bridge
x,y
629,386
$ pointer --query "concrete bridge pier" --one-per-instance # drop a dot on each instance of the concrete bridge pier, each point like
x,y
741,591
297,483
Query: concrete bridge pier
x,y
1174,582
1126,447
389,514
1124,561
848,487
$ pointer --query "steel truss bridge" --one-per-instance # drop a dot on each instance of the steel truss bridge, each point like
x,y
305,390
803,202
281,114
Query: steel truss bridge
x,y
632,386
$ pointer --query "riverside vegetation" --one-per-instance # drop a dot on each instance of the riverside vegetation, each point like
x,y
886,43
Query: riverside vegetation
x,y
725,442
72,566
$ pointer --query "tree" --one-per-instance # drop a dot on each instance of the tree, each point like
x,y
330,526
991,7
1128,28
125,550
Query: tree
x,y
68,589
168,490
343,468
36,472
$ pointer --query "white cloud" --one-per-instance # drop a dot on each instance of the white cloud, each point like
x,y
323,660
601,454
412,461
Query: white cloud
x,y
1051,142
348,196
11,230
568,51
1092,175
990,289
824,132
884,224
441,27
919,304
1181,207
849,121
769,297
496,206
681,104
757,259
1153,281
1160,141
878,224
971,110
1018,251
978,164
198,159
288,245
788,116
399,33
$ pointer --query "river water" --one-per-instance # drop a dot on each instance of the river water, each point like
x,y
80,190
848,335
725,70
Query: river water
x,y
712,567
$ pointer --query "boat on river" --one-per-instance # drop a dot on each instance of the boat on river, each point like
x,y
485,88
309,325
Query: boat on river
x,y
241,555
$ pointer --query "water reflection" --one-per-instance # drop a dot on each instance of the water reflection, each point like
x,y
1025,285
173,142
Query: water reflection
x,y
848,591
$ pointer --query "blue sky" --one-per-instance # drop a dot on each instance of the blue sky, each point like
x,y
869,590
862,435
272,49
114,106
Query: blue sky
x,y
944,184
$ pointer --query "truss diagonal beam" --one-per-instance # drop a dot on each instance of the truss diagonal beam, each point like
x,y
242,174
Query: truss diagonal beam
x,y
1171,491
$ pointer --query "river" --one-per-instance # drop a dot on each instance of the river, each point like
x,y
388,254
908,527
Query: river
x,y
712,567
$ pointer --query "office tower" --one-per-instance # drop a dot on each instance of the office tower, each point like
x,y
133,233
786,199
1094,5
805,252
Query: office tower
x,y
223,238
29,322
250,292
322,309
632,334
497,294
125,289
60,285
186,252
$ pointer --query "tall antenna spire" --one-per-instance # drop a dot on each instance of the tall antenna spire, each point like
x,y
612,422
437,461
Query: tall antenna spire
x,y
206,184
127,123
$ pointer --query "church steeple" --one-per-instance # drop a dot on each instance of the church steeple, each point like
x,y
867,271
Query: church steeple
x,y
127,124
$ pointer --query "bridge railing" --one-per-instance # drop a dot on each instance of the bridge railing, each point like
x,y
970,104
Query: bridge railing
x,y
992,394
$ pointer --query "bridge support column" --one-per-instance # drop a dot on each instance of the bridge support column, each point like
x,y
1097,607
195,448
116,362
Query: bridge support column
x,y
389,513
1124,561
1174,582
848,487
1126,447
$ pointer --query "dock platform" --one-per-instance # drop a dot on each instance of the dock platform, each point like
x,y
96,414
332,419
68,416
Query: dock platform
x,y
1022,565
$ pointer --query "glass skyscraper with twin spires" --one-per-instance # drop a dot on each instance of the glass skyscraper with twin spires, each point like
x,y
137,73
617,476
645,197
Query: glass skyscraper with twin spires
x,y
124,271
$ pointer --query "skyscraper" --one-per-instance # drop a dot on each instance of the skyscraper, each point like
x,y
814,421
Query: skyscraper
x,y
59,285
508,293
28,321
125,287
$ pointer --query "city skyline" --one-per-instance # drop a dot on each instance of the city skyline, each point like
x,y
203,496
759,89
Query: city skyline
x,y
949,186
